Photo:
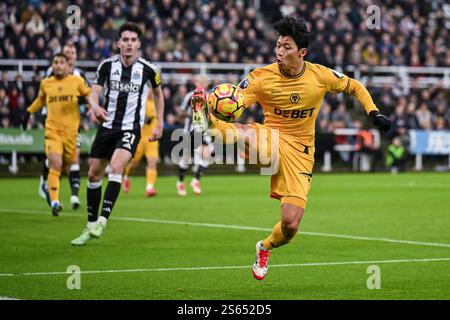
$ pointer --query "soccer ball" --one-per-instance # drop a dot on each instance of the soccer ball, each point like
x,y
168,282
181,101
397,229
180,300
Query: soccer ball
x,y
226,102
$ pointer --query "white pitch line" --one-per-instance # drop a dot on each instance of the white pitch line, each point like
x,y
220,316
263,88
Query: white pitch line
x,y
308,264
237,227
7,298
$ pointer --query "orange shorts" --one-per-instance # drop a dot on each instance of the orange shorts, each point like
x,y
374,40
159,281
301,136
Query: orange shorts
x,y
292,164
62,143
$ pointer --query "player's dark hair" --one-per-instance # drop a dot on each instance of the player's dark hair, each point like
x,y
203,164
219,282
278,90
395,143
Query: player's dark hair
x,y
60,54
69,44
130,26
295,28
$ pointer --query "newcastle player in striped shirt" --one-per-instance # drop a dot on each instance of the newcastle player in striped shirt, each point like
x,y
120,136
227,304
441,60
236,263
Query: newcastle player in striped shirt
x,y
127,79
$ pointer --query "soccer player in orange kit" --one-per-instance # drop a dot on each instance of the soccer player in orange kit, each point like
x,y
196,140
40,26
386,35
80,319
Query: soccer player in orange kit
x,y
291,92
60,93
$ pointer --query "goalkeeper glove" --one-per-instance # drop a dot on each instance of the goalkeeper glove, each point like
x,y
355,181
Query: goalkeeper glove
x,y
25,119
380,121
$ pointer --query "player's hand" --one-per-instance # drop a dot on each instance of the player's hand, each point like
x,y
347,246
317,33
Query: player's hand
x,y
91,115
24,121
380,121
157,133
198,99
99,113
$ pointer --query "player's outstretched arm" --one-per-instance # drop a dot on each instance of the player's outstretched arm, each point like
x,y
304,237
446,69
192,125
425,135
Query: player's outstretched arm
x,y
356,89
37,105
337,82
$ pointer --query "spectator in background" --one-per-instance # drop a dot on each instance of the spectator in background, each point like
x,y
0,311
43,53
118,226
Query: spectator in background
x,y
399,121
424,117
341,118
35,25
5,84
4,107
411,119
324,123
232,31
396,156
440,124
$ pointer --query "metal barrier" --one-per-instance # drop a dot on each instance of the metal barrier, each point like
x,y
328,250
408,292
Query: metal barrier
x,y
180,72
361,161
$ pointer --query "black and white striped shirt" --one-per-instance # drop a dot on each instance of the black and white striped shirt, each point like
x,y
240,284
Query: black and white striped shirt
x,y
126,91
186,107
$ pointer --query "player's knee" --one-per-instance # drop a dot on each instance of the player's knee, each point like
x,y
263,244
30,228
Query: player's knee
x,y
116,168
290,229
94,176
55,164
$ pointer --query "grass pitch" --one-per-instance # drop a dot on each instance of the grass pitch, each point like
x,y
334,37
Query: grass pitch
x,y
202,247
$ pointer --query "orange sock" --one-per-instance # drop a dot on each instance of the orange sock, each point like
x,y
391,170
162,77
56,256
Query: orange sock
x,y
53,184
276,239
229,131
151,176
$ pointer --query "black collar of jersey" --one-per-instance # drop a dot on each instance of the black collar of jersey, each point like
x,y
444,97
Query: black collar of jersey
x,y
294,76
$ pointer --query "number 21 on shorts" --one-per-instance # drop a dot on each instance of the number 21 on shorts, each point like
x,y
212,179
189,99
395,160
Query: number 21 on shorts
x,y
128,139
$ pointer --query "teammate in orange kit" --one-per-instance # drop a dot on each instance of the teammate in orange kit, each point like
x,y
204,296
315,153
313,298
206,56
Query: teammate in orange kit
x,y
60,93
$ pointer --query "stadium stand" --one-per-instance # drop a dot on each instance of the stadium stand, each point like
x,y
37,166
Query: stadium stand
x,y
412,34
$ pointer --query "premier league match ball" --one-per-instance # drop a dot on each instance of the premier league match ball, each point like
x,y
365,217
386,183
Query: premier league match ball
x,y
226,102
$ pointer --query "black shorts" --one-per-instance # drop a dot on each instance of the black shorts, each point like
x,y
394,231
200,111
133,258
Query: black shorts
x,y
108,140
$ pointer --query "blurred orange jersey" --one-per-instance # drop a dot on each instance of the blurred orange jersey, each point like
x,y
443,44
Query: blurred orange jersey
x,y
61,98
291,103
150,118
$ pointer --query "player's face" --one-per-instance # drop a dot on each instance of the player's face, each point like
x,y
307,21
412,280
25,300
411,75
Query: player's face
x,y
288,54
71,54
60,66
129,44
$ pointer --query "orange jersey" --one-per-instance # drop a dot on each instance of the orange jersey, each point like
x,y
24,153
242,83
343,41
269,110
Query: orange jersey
x,y
291,103
151,119
61,99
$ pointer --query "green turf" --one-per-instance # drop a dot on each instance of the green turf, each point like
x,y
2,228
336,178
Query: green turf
x,y
412,206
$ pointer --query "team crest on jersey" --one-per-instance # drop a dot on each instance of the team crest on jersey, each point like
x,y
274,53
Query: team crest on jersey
x,y
295,97
244,83
337,74
136,75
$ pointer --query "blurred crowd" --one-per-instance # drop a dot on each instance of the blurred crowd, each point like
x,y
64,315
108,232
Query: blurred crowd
x,y
411,33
